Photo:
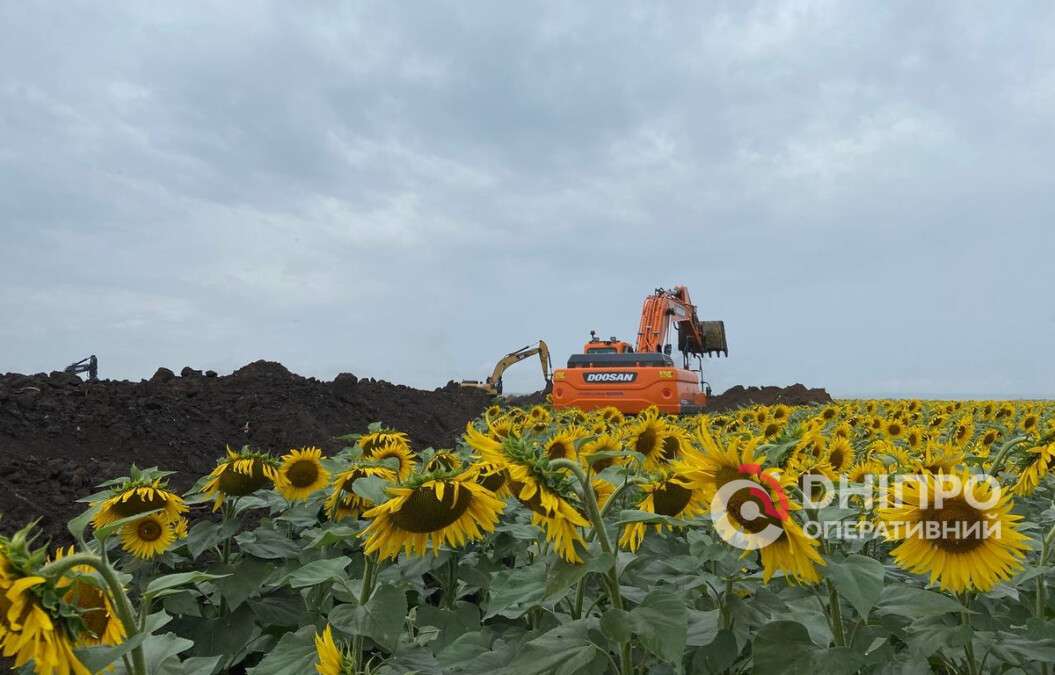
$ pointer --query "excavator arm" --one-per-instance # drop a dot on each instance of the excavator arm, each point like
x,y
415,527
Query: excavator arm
x,y
494,382
695,338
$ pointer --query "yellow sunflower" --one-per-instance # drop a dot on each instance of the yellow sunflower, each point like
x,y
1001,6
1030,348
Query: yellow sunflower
x,y
721,464
489,448
502,427
139,494
840,454
677,446
148,537
380,436
400,452
893,428
239,474
940,458
611,416
1034,470
442,460
561,445
494,477
301,474
331,659
678,493
645,436
765,511
605,443
343,502
438,511
963,432
102,627
550,511
32,629
963,544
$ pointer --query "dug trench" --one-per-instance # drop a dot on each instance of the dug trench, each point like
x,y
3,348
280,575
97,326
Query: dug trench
x,y
61,436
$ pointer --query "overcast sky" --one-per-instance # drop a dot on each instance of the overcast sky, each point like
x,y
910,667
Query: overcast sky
x,y
864,193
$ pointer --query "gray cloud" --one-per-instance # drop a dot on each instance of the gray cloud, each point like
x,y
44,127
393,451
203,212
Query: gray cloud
x,y
863,193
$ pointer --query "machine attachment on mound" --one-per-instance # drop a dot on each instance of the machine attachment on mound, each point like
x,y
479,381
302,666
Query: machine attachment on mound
x,y
631,378
88,365
493,384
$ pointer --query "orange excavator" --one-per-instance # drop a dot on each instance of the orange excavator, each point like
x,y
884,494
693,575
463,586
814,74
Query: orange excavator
x,y
631,378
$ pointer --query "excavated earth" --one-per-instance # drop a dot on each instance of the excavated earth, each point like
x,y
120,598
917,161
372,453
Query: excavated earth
x,y
61,436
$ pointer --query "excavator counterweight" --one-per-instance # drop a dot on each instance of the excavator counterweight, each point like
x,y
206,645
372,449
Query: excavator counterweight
x,y
612,373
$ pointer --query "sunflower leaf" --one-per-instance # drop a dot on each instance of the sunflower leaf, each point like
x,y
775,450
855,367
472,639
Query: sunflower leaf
x,y
372,488
78,525
380,619
859,580
293,655
317,572
661,624
629,516
563,575
563,650
916,603
170,581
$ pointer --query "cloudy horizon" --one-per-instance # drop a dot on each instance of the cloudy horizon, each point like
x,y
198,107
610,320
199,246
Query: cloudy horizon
x,y
863,193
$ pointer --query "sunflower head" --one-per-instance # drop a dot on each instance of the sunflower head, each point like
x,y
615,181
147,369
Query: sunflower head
x,y
147,537
561,445
676,492
431,510
964,539
39,621
399,458
442,460
301,474
378,436
840,454
596,453
332,659
143,490
85,592
239,474
343,502
645,436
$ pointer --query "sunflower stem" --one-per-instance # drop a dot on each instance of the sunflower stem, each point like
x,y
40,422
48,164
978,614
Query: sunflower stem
x,y
998,463
451,594
968,648
122,605
1045,550
369,579
594,513
838,631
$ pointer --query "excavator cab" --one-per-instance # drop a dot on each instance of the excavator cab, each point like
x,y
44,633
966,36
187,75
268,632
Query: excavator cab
x,y
609,346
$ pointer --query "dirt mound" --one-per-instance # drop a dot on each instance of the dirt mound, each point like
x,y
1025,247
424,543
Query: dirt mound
x,y
60,436
740,397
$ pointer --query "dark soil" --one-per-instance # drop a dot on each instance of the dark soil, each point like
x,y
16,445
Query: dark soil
x,y
739,397
61,436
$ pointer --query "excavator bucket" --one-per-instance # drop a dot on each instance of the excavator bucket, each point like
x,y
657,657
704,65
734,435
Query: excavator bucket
x,y
712,333
714,343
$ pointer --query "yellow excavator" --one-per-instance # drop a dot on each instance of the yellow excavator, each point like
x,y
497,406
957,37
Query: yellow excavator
x,y
493,384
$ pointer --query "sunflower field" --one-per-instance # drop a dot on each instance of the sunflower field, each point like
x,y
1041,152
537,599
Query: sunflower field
x,y
569,542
